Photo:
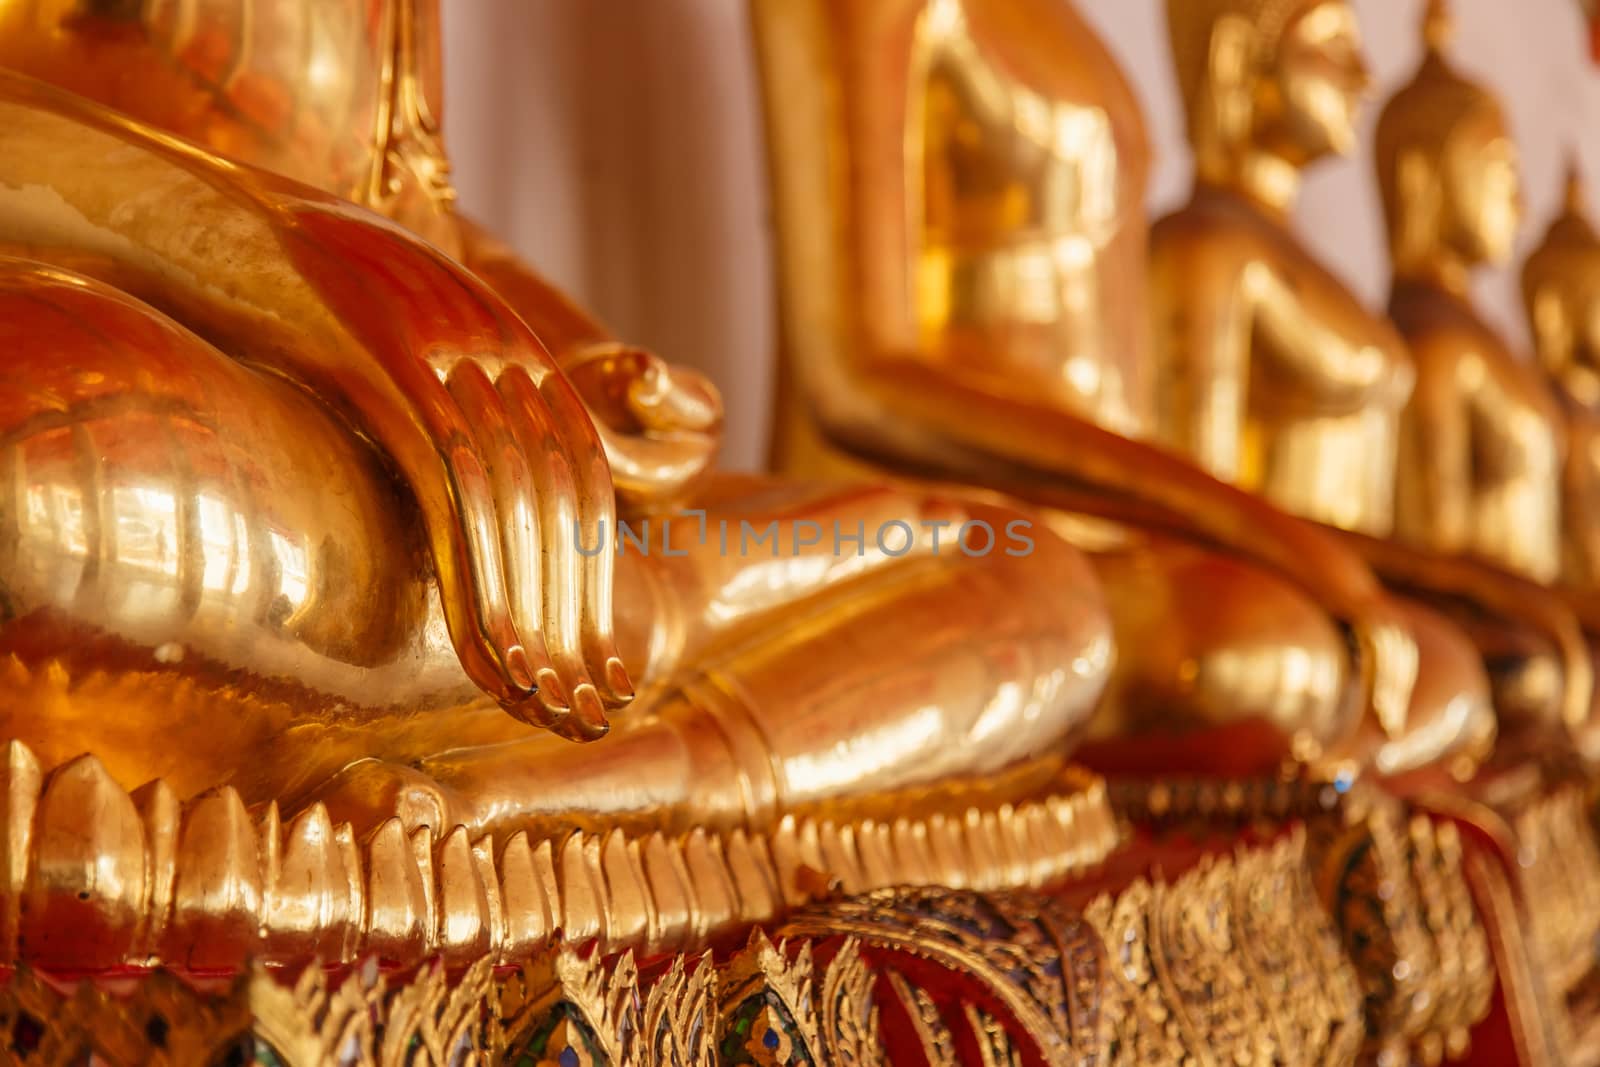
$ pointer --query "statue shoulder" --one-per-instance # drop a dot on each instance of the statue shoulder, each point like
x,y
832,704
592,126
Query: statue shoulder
x,y
1438,328
1209,236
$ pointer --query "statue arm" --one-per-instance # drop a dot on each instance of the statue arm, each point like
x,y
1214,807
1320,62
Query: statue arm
x,y
1223,313
1434,484
1326,366
409,349
1200,319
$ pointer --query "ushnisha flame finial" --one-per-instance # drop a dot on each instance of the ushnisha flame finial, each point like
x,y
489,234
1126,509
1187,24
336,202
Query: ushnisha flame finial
x,y
1438,25
1573,201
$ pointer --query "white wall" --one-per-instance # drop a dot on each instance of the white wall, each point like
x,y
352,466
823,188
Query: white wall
x,y
617,144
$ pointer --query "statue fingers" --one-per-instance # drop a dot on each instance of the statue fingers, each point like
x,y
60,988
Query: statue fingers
x,y
596,523
437,447
513,488
564,549
463,530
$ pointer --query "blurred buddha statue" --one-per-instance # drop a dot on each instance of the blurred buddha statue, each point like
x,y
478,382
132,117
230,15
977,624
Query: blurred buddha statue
x,y
298,505
1561,293
1481,448
959,192
1481,455
1270,372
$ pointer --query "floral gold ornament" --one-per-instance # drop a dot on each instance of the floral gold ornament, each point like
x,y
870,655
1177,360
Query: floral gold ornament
x,y
891,976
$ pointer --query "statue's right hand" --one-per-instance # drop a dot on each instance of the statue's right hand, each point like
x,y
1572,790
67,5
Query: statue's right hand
x,y
501,455
407,346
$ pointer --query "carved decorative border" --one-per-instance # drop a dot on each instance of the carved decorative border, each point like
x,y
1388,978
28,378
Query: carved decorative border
x,y
93,877
895,975
1392,880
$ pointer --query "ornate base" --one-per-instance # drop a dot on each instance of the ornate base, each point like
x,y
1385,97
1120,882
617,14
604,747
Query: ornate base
x,y
1352,926
1536,869
1231,960
92,877
1561,888
1435,901
1392,880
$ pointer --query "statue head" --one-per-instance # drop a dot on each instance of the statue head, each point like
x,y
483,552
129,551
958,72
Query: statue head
x,y
1447,168
1285,77
1561,292
340,94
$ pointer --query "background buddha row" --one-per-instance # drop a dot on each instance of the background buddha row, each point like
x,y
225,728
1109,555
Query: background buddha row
x,y
631,168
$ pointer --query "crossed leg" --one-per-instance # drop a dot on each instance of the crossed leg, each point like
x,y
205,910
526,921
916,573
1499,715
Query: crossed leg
x,y
799,680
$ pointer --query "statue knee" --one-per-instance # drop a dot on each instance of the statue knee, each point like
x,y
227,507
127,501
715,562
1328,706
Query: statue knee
x,y
1526,677
1257,647
1222,667
1053,589
1451,715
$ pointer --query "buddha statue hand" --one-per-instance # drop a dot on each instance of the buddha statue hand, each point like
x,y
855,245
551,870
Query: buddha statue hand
x,y
493,443
1388,662
661,425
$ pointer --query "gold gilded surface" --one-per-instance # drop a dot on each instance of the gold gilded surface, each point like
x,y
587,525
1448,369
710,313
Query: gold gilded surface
x,y
959,203
1483,442
557,1006
1560,289
315,563
1392,881
299,508
1560,866
1480,469
340,94
831,989
893,976
1272,374
1203,966
98,878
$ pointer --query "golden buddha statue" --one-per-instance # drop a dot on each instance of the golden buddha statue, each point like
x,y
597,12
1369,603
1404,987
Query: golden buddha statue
x,y
1485,473
299,508
1559,293
1481,448
1272,375
958,193
1560,290
1480,469
959,198
1269,373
